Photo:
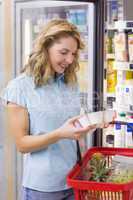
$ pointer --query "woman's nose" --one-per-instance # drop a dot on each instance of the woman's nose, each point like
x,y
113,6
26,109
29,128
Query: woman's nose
x,y
70,59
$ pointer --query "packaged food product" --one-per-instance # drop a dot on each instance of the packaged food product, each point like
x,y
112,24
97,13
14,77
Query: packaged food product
x,y
122,169
96,118
111,76
130,46
120,45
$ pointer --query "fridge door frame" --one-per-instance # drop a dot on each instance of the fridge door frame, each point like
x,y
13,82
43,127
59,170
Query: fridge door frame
x,y
22,5
99,65
95,53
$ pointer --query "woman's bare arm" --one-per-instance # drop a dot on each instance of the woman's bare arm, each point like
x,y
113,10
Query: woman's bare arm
x,y
19,127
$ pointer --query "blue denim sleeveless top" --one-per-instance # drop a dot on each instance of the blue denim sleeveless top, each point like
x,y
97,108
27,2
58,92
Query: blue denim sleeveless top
x,y
49,106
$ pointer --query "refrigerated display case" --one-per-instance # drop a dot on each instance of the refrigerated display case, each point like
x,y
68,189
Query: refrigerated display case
x,y
30,17
25,25
88,17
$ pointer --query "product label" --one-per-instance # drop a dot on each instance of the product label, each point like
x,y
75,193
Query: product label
x,y
118,126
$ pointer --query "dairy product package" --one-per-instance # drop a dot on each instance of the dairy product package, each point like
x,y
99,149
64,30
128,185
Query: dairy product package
x,y
108,116
120,45
96,118
130,46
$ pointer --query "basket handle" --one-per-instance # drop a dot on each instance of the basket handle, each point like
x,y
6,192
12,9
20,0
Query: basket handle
x,y
79,156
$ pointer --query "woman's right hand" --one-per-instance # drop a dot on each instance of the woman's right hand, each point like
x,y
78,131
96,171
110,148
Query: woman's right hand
x,y
71,129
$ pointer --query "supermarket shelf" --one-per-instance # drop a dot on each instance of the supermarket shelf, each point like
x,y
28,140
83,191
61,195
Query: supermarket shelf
x,y
110,94
124,25
110,27
120,25
125,120
123,66
128,108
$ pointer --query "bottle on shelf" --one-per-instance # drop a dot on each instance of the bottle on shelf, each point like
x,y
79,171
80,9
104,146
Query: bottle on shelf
x,y
108,137
130,46
119,131
110,47
129,136
111,76
120,45
112,11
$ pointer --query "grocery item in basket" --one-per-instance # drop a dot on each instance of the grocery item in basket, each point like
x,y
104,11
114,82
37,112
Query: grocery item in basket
x,y
92,190
121,175
96,169
97,118
122,169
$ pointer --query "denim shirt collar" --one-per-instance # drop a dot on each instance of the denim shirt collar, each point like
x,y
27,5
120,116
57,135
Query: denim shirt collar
x,y
58,79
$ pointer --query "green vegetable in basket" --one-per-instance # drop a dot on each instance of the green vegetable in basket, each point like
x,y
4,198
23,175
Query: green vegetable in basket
x,y
98,168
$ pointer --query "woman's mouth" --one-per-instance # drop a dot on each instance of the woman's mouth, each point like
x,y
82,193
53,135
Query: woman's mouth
x,y
64,66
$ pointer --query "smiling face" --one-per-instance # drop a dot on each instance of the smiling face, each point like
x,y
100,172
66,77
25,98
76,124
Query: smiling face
x,y
62,53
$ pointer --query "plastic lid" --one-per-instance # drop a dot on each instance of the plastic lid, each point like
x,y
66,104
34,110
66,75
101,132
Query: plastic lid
x,y
122,114
130,116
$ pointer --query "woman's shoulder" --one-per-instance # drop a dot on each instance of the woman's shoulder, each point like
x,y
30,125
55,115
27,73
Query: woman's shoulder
x,y
21,81
16,90
21,78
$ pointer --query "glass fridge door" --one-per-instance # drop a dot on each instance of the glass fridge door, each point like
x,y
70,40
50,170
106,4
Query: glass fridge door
x,y
32,15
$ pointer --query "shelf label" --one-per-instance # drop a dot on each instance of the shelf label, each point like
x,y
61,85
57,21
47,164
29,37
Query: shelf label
x,y
131,107
131,66
129,24
130,127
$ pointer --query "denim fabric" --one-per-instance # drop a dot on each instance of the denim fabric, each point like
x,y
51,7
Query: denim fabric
x,y
29,194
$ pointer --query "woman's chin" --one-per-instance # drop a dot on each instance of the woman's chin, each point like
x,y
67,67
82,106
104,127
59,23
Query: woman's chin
x,y
60,71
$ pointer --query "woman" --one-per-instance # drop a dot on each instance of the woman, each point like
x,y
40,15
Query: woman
x,y
42,104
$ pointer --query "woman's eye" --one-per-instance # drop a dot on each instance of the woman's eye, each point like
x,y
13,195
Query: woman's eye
x,y
63,53
74,54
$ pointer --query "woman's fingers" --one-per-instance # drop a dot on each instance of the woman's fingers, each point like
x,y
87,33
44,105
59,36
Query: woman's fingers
x,y
74,119
85,129
90,127
106,125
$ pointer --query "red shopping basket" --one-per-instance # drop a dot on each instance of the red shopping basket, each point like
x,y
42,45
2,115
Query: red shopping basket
x,y
91,190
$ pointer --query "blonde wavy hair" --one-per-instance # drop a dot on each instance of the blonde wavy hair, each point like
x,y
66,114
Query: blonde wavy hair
x,y
38,65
